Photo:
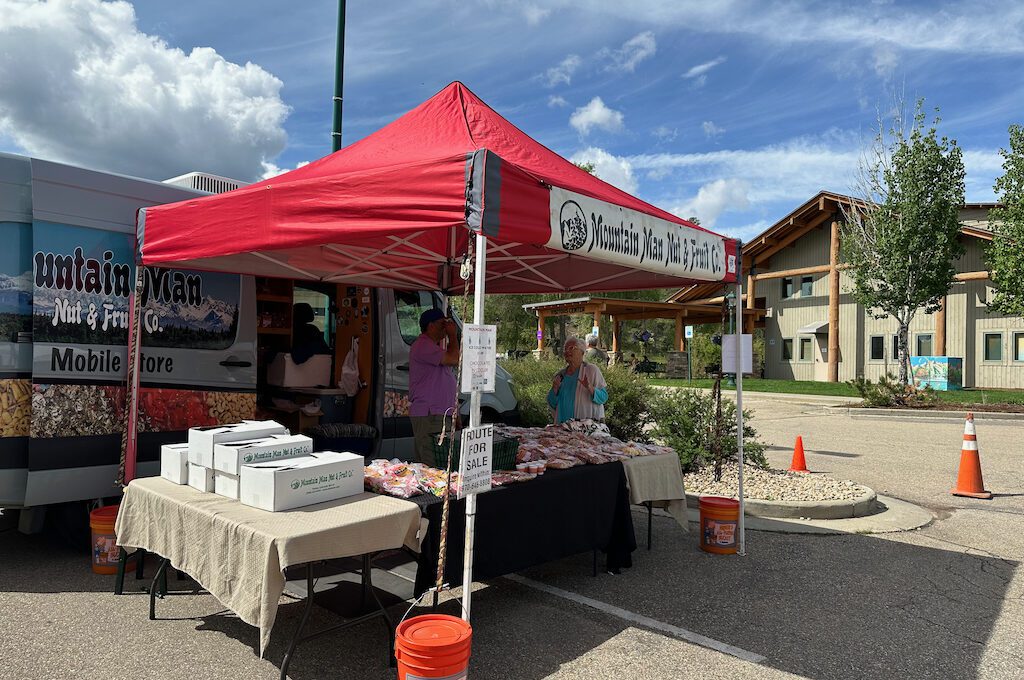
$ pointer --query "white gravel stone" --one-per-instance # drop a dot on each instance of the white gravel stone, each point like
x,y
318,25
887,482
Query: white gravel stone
x,y
772,485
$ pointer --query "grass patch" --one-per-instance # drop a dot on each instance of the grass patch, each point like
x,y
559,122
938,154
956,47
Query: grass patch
x,y
971,396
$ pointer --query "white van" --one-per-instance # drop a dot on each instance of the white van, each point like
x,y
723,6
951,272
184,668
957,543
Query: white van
x,y
66,273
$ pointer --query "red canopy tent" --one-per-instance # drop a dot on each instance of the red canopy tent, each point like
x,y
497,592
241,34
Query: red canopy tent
x,y
393,209
397,208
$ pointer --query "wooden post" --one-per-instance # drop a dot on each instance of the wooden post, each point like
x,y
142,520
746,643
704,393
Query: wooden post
x,y
540,332
940,328
616,329
833,305
679,333
748,319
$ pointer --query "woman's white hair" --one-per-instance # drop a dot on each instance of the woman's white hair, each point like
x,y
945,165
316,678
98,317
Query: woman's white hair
x,y
573,340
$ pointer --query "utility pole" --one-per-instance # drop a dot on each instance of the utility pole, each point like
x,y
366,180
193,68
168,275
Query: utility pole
x,y
339,78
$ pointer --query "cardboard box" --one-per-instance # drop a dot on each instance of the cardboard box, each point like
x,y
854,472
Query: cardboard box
x,y
174,463
313,372
297,482
230,456
202,439
200,477
225,484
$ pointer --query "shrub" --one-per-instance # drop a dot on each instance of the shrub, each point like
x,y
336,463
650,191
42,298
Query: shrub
x,y
889,391
625,412
685,420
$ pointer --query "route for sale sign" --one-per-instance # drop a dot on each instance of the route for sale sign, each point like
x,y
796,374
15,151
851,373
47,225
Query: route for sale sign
x,y
475,461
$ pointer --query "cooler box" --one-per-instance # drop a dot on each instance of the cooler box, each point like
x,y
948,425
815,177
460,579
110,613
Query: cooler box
x,y
284,372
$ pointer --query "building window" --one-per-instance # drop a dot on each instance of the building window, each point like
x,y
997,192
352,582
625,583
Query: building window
x,y
805,349
787,350
877,347
806,286
924,345
895,348
1018,346
787,288
993,346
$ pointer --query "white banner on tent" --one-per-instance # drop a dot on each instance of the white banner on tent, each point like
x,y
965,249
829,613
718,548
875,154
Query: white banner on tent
x,y
604,231
479,357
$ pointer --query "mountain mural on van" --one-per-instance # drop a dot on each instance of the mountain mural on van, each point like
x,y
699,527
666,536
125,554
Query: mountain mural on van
x,y
82,279
15,281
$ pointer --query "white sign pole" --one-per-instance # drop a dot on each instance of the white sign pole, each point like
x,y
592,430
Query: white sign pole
x,y
739,397
474,421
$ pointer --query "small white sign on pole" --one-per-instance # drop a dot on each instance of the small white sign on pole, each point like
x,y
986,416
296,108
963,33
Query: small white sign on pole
x,y
479,357
729,362
688,332
475,460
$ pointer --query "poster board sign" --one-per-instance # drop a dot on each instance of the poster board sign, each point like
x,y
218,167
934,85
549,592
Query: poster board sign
x,y
479,357
729,361
475,460
688,332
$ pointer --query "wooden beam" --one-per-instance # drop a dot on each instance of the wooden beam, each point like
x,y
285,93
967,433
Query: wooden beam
x,y
783,273
833,303
798,231
709,301
972,276
940,328
540,331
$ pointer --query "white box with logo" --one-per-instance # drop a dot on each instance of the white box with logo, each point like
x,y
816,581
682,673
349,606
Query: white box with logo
x,y
230,456
201,440
200,477
296,482
174,463
225,484
313,372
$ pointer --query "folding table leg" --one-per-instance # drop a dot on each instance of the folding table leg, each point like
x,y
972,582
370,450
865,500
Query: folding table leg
x,y
158,579
650,514
302,622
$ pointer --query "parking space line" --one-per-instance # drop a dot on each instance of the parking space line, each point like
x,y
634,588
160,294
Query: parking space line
x,y
645,621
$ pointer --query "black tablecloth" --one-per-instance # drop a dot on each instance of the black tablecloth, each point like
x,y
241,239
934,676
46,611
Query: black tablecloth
x,y
561,513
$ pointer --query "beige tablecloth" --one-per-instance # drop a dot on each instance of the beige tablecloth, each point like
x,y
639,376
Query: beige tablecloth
x,y
239,553
658,480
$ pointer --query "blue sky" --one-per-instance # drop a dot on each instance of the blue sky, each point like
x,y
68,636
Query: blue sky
x,y
735,112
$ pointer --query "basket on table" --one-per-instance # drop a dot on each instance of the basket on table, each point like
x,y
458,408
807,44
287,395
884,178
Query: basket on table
x,y
504,450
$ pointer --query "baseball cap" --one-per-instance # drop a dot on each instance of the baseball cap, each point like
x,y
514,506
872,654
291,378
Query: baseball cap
x,y
430,316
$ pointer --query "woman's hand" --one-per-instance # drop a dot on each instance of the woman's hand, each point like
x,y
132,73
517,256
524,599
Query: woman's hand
x,y
586,383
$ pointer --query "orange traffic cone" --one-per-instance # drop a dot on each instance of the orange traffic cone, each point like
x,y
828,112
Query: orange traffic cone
x,y
798,464
968,479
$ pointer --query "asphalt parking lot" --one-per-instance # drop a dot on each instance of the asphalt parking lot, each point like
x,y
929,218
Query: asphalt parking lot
x,y
944,601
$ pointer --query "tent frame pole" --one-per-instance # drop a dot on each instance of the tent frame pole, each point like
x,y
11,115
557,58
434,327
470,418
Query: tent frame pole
x,y
479,277
739,391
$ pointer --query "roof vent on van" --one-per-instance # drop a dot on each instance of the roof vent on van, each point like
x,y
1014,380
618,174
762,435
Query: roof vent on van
x,y
204,181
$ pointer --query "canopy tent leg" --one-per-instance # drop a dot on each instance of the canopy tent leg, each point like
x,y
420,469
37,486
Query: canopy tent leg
x,y
739,393
474,421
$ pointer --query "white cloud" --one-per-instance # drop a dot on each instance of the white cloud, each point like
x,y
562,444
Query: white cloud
x,y
562,74
557,101
665,133
885,60
638,48
81,84
711,130
612,169
273,170
714,198
700,71
534,14
596,115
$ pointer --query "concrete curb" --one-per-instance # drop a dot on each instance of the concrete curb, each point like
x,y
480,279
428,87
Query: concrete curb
x,y
907,413
754,507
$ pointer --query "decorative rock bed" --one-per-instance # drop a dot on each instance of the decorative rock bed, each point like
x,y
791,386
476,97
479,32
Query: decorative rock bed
x,y
777,493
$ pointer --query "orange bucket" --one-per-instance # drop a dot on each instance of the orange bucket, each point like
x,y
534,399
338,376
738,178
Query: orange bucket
x,y
105,551
433,646
719,519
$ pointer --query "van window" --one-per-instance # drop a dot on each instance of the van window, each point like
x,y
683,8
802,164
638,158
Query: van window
x,y
409,305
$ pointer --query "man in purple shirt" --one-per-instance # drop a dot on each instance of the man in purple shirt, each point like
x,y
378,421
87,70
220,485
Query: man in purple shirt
x,y
432,385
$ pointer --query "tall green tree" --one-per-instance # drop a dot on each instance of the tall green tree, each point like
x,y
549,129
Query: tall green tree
x,y
903,238
1005,255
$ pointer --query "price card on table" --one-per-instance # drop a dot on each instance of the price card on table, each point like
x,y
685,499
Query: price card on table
x,y
479,357
475,461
